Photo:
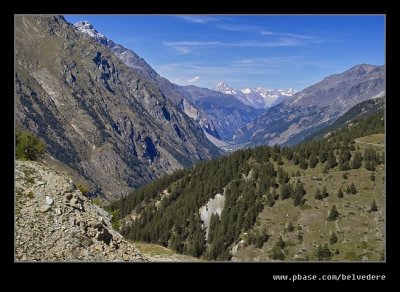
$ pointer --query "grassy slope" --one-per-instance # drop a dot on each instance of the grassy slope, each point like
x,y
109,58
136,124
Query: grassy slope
x,y
360,233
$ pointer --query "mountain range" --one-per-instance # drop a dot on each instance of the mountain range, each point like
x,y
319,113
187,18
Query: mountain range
x,y
109,125
313,108
259,97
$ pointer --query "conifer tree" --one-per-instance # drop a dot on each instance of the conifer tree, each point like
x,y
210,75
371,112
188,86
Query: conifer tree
x,y
340,194
333,214
353,189
333,239
290,227
374,206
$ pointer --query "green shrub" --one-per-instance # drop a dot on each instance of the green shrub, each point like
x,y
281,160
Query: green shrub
x,y
84,189
28,146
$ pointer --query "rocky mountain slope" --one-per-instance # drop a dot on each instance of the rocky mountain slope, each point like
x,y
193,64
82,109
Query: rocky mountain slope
x,y
259,97
132,60
55,222
314,107
228,114
362,109
103,119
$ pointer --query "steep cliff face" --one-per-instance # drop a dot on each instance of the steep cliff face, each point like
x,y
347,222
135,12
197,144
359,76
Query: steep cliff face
x,y
134,61
98,116
314,107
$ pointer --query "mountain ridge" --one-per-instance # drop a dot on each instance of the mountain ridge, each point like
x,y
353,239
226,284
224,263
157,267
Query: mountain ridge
x,y
101,118
314,107
259,97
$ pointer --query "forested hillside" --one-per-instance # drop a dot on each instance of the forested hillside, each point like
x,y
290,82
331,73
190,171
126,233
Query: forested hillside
x,y
262,188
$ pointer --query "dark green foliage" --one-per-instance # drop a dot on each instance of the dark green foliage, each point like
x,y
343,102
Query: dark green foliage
x,y
298,193
331,160
372,177
280,243
300,237
313,161
28,146
340,194
257,238
374,206
353,189
348,191
323,253
290,227
324,192
303,163
318,195
84,189
333,214
277,254
285,191
344,175
356,162
333,238
371,159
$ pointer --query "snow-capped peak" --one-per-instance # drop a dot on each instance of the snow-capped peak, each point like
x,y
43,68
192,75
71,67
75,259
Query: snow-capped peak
x,y
87,28
258,97
225,88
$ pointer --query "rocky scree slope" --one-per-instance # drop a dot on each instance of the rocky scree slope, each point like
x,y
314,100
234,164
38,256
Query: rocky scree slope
x,y
55,222
96,115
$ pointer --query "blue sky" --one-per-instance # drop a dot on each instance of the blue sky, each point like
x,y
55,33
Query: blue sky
x,y
247,51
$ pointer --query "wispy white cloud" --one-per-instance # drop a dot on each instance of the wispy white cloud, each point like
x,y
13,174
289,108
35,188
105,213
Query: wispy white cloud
x,y
186,47
290,35
199,18
194,79
240,27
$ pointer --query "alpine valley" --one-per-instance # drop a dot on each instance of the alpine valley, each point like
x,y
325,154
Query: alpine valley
x,y
116,163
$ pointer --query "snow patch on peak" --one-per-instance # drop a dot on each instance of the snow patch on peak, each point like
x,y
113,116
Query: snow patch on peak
x,y
86,27
246,90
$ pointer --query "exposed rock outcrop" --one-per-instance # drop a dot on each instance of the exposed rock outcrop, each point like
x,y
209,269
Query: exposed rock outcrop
x,y
55,222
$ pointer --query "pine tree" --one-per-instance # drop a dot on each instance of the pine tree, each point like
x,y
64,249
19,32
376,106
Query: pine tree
x,y
333,239
331,161
323,253
313,160
348,191
280,243
372,177
333,214
340,194
290,227
356,161
353,189
318,195
324,192
374,206
277,254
